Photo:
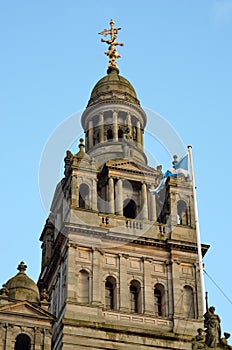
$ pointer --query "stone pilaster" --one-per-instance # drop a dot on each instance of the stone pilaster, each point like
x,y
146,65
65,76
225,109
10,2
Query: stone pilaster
x,y
97,281
148,290
124,291
72,274
75,192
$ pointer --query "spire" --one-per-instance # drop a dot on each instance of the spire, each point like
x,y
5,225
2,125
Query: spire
x,y
112,53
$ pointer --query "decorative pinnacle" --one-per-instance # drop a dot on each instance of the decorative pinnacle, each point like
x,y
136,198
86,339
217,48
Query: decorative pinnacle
x,y
112,53
22,267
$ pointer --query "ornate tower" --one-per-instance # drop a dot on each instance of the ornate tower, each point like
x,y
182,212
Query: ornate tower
x,y
120,264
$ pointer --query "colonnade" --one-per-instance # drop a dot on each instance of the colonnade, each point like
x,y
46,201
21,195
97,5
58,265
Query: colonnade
x,y
131,128
115,200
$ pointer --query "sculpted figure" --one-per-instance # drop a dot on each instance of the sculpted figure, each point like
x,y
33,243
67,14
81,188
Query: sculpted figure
x,y
212,323
199,340
224,342
128,135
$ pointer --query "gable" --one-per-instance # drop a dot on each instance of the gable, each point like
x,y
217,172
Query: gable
x,y
129,166
26,309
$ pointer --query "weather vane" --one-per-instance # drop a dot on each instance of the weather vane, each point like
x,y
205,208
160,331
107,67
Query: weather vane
x,y
112,53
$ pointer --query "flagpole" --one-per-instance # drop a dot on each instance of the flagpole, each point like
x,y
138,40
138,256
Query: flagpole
x,y
198,233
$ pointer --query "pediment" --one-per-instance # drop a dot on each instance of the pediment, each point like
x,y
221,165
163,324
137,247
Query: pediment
x,y
25,308
130,166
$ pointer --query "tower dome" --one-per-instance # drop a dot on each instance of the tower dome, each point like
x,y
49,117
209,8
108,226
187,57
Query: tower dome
x,y
113,87
21,287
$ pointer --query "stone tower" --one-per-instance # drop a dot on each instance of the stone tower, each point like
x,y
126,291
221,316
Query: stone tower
x,y
120,265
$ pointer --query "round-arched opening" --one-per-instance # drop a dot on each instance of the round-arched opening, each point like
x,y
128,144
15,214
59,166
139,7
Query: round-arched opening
x,y
110,293
182,213
84,196
129,209
159,300
109,134
23,342
135,297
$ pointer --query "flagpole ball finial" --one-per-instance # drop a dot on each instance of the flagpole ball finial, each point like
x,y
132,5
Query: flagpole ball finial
x,y
175,157
189,146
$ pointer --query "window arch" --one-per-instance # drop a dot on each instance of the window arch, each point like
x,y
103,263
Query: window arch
x,y
135,297
83,290
129,209
84,196
110,293
159,300
188,302
182,213
23,342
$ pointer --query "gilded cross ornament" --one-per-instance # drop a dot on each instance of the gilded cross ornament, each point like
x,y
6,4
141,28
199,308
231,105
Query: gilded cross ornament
x,y
112,53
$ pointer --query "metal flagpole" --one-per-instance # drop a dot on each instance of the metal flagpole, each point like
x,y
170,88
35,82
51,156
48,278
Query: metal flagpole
x,y
198,233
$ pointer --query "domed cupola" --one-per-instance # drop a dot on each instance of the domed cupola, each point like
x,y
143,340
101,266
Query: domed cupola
x,y
113,87
21,287
114,121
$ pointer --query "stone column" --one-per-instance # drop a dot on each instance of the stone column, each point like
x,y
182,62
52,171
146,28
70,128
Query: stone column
x,y
97,280
115,126
153,214
90,134
129,120
144,202
94,195
101,125
111,195
148,290
119,198
124,290
139,133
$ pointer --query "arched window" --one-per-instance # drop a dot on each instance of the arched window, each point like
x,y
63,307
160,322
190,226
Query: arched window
x,y
110,293
188,302
83,288
84,196
23,342
159,300
135,297
129,209
120,133
182,213
109,134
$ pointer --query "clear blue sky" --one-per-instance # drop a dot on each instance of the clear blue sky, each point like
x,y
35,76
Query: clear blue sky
x,y
178,56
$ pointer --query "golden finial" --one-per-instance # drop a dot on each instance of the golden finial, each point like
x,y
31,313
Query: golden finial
x,y
112,53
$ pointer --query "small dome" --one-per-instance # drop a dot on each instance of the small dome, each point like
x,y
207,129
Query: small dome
x,y
21,287
113,87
